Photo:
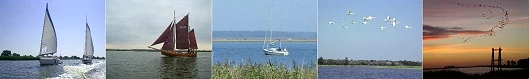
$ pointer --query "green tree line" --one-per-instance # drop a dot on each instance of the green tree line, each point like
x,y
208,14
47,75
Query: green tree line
x,y
346,61
8,55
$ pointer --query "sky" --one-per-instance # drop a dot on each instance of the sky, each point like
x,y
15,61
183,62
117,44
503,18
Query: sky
x,y
22,23
368,42
136,24
447,24
253,15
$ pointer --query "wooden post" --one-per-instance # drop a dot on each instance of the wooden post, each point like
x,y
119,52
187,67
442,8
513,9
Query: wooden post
x,y
499,59
492,61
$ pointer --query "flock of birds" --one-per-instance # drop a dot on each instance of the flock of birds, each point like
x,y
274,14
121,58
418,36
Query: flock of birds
x,y
392,21
501,23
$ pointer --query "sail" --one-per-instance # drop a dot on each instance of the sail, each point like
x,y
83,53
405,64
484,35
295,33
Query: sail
x,y
192,40
48,41
89,46
182,31
165,35
169,43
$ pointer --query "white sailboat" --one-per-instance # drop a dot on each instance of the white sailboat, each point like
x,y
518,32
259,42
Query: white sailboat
x,y
48,45
89,47
269,50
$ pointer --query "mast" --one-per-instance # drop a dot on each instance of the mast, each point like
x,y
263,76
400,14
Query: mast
x,y
174,31
271,9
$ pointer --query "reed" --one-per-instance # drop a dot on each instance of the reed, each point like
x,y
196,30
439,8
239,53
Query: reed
x,y
252,70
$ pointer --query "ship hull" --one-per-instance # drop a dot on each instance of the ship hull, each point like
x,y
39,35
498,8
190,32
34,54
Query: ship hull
x,y
49,60
87,61
179,54
275,51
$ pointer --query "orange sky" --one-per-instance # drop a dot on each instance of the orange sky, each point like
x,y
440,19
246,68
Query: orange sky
x,y
447,25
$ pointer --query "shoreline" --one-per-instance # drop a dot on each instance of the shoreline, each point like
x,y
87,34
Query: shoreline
x,y
38,59
374,66
262,41
147,50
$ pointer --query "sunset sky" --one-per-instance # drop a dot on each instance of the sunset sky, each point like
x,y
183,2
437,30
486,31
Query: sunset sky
x,y
446,25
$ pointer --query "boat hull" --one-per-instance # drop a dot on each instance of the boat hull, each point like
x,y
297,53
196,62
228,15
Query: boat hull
x,y
48,60
178,53
274,51
87,61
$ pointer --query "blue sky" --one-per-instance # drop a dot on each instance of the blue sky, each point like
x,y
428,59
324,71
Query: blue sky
x,y
251,15
368,42
22,21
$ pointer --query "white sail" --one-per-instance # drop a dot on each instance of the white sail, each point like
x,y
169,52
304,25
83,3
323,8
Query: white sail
x,y
49,39
89,46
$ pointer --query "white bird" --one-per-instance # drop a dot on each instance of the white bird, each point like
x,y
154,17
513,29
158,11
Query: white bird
x,y
394,23
353,22
345,27
382,28
407,27
387,19
365,23
368,18
350,13
330,23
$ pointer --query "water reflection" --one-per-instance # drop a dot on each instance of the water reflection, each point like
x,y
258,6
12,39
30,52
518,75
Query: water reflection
x,y
179,67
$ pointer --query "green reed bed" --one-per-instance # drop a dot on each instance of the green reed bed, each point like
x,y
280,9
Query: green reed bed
x,y
251,70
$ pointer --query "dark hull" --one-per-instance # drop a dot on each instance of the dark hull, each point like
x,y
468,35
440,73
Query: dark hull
x,y
180,54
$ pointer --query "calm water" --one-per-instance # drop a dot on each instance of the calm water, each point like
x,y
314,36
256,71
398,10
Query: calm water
x,y
367,73
475,70
31,69
238,52
153,65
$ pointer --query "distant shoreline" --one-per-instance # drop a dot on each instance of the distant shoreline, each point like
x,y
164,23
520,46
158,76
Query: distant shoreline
x,y
146,50
374,66
263,40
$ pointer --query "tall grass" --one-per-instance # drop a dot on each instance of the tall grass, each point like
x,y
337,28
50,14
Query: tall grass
x,y
251,70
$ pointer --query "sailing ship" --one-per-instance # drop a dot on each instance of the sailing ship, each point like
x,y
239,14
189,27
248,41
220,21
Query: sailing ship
x,y
89,47
48,43
177,39
269,50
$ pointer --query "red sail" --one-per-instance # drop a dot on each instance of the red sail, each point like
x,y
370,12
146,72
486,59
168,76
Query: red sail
x,y
164,36
169,43
192,40
182,31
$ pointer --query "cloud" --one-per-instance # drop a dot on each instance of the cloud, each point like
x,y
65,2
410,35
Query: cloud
x,y
133,24
466,48
433,32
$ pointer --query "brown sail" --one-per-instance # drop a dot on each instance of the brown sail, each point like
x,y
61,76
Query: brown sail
x,y
192,40
182,31
182,41
165,35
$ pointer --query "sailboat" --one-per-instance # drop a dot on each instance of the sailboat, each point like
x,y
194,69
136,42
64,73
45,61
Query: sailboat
x,y
89,47
177,39
48,43
269,50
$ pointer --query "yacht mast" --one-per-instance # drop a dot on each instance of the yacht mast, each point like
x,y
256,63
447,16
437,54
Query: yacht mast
x,y
271,9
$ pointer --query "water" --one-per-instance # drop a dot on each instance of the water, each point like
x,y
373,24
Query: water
x,y
474,70
301,52
31,69
153,65
342,72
